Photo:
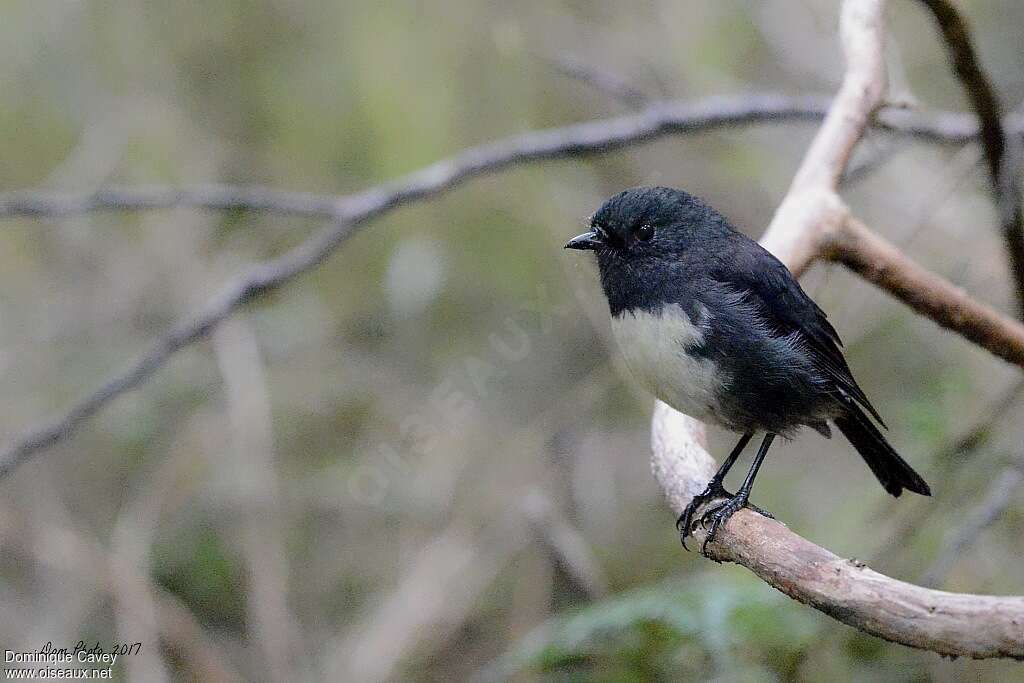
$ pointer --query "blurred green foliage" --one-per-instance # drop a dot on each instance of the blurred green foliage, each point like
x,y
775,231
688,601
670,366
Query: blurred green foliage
x,y
670,631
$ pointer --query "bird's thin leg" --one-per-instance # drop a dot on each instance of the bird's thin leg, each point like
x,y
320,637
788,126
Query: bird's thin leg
x,y
720,513
714,489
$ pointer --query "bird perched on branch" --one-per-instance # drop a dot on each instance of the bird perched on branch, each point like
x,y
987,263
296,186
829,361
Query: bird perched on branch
x,y
718,328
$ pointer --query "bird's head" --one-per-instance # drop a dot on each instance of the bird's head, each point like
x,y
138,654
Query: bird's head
x,y
648,241
648,225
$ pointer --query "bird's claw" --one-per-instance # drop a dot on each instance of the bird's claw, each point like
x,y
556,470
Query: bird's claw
x,y
760,511
685,522
719,514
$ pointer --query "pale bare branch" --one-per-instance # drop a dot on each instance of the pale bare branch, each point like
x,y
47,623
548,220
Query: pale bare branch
x,y
272,627
565,543
881,263
813,222
431,600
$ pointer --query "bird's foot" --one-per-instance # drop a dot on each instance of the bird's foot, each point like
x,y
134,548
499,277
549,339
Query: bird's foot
x,y
760,511
719,514
685,522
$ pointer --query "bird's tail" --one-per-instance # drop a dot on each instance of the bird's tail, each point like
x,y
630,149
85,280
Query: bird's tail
x,y
892,471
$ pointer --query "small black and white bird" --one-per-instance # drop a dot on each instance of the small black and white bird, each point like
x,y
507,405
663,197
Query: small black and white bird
x,y
718,328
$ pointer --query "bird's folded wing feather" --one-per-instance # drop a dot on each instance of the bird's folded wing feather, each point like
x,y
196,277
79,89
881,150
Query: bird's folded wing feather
x,y
766,281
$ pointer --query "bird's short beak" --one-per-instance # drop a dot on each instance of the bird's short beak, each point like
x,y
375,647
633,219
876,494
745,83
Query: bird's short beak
x,y
588,240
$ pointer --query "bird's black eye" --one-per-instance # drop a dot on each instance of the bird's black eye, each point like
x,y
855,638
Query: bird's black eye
x,y
645,232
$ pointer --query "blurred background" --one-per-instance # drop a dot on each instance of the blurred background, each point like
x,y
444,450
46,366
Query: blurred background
x,y
421,461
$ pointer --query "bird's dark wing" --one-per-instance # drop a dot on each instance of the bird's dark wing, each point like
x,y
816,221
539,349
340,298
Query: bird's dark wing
x,y
751,270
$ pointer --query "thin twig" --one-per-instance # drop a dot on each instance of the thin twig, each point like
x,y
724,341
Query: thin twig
x,y
948,460
566,544
992,506
51,204
872,161
604,81
978,435
601,135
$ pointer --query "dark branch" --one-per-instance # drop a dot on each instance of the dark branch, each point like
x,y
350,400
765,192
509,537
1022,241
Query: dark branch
x,y
656,120
216,197
968,69
1001,153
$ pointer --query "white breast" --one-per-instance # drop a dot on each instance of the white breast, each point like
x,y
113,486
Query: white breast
x,y
654,346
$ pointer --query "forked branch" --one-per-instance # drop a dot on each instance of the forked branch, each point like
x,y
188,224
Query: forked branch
x,y
812,222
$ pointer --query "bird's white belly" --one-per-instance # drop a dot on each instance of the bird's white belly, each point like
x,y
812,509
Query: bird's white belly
x,y
654,347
